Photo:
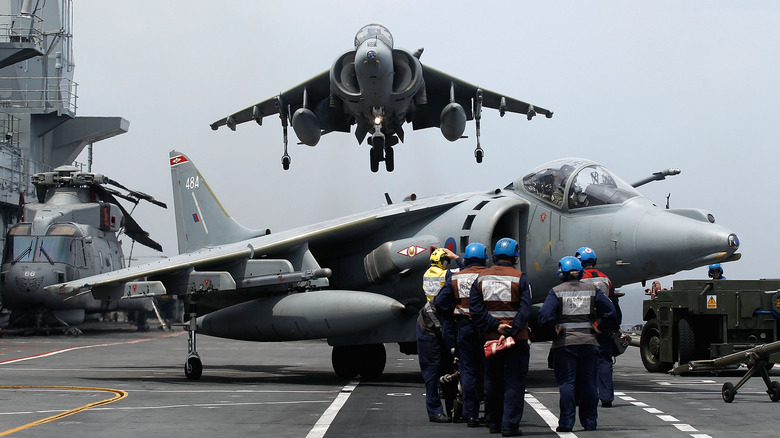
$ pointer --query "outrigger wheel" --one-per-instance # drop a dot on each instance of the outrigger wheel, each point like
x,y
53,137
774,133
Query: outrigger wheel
x,y
193,368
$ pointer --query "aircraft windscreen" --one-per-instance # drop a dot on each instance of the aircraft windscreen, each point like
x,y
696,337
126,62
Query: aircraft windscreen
x,y
580,182
18,249
54,249
594,185
374,31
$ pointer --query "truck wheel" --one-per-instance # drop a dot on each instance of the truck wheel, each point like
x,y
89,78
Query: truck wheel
x,y
728,392
650,348
687,341
774,391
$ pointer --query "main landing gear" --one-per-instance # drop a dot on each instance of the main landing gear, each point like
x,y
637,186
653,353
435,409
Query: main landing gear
x,y
382,150
378,154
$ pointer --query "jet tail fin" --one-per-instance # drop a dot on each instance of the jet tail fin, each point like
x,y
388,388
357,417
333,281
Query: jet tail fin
x,y
201,220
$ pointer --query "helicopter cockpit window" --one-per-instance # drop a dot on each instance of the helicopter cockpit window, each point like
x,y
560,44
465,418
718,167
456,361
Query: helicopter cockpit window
x,y
56,246
374,31
595,185
63,230
54,249
20,230
18,248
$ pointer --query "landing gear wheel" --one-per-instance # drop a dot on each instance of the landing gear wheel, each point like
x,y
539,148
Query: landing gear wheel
x,y
478,154
774,391
687,341
346,361
728,392
286,162
193,368
650,348
372,360
375,155
389,159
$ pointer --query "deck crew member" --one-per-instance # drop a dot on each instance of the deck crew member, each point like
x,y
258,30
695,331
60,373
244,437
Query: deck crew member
x,y
570,311
500,304
605,388
454,298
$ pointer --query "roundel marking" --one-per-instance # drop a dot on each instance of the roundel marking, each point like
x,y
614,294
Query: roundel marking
x,y
451,245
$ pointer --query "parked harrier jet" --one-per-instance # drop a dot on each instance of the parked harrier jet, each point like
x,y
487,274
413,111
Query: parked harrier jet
x,y
71,232
357,280
378,88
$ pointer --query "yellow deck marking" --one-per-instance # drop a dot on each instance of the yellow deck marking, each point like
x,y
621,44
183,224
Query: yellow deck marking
x,y
118,395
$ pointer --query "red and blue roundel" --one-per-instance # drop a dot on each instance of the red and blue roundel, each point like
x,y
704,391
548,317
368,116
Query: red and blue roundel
x,y
451,245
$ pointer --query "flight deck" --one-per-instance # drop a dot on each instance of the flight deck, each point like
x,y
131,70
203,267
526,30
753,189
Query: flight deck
x,y
115,381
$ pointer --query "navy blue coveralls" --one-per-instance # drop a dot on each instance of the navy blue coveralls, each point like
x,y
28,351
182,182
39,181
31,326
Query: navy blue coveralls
x,y
468,349
434,357
605,387
506,371
576,347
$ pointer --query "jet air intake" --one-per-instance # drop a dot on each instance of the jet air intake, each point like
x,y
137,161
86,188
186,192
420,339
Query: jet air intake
x,y
395,256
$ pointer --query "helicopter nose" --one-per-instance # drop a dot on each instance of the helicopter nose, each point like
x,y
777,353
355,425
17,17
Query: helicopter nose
x,y
684,242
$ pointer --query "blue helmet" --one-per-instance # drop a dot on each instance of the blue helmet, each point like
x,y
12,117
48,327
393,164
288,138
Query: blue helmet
x,y
715,268
586,255
567,265
475,251
507,247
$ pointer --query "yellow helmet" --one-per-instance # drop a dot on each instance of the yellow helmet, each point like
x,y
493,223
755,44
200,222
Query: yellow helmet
x,y
439,258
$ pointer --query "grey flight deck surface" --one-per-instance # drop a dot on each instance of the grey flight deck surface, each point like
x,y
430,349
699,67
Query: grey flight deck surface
x,y
285,389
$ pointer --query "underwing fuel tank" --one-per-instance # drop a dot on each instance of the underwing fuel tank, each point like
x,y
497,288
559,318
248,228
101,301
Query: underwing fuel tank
x,y
306,126
453,121
301,316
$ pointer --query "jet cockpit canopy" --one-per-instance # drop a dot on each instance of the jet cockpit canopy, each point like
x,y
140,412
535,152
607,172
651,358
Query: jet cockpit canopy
x,y
374,31
582,183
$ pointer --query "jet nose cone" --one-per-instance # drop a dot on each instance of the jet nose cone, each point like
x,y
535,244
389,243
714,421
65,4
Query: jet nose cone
x,y
675,242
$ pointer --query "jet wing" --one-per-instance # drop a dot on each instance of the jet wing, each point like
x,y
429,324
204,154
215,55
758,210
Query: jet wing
x,y
317,91
437,88
331,232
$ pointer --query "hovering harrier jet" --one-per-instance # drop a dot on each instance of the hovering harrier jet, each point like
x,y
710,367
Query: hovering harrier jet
x,y
378,88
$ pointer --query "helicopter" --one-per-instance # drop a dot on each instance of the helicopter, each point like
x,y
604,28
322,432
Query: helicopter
x,y
72,231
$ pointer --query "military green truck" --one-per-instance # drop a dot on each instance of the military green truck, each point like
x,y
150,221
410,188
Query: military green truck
x,y
707,319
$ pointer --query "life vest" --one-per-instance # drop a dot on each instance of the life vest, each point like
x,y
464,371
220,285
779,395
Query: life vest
x,y
596,277
461,285
500,288
576,313
433,280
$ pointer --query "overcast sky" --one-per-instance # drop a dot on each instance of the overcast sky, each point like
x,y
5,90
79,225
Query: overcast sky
x,y
635,86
